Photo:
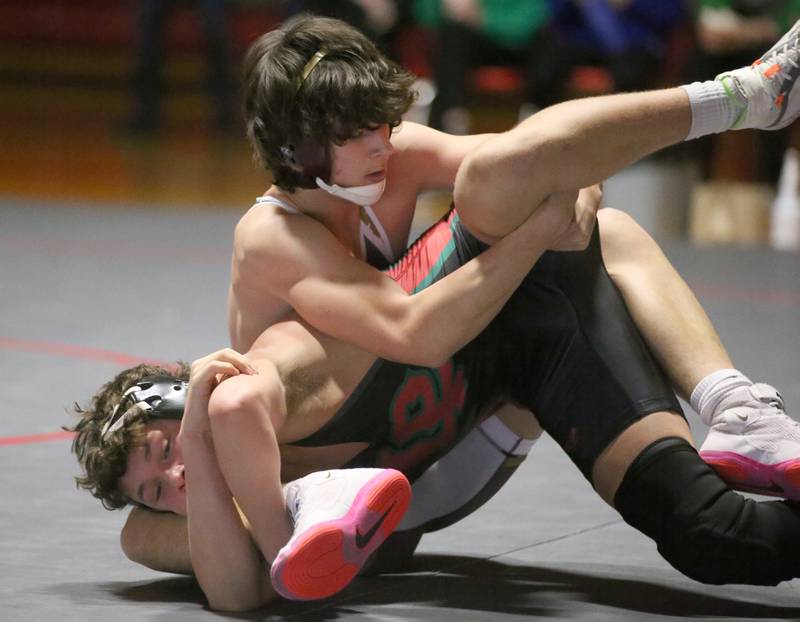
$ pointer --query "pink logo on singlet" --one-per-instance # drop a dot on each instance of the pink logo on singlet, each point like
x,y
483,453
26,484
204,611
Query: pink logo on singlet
x,y
424,414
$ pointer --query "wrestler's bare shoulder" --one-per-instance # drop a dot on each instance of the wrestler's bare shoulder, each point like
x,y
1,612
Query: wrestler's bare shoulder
x,y
273,244
262,225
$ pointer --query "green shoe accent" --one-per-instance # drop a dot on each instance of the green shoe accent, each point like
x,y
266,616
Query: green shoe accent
x,y
735,100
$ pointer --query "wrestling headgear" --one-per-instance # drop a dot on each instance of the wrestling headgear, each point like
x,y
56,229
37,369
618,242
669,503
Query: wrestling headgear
x,y
162,397
313,160
310,159
315,163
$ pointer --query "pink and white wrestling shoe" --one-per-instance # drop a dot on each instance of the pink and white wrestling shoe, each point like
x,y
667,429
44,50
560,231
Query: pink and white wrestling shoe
x,y
340,518
753,445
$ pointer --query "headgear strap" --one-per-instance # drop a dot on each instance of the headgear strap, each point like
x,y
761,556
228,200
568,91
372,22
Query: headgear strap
x,y
309,67
312,160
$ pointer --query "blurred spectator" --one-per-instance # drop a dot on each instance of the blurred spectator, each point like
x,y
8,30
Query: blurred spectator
x,y
480,32
380,20
148,79
627,38
732,33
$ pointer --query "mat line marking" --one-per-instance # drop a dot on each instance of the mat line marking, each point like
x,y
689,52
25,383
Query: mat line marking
x,y
54,348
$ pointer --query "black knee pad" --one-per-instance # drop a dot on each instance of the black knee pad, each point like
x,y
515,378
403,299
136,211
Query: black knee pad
x,y
703,528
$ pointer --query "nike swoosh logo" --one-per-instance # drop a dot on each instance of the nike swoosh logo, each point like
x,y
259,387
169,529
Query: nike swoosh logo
x,y
363,539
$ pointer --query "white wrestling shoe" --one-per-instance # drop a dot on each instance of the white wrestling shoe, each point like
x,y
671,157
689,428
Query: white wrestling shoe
x,y
763,93
340,518
754,446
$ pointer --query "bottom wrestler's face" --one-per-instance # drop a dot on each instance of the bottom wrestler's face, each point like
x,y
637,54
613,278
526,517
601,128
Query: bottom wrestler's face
x,y
362,160
155,473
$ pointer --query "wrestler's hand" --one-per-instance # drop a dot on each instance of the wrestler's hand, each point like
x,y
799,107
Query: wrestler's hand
x,y
206,373
579,233
553,216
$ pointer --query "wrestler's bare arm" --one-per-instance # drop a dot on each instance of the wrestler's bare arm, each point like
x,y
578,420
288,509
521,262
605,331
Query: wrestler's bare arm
x,y
303,263
227,564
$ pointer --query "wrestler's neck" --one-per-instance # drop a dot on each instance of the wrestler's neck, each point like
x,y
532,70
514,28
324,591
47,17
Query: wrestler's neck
x,y
320,205
336,214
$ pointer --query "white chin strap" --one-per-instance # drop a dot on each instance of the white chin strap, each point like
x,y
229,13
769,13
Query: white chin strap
x,y
360,195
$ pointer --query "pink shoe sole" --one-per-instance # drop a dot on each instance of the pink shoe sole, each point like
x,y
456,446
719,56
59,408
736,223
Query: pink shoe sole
x,y
741,473
329,555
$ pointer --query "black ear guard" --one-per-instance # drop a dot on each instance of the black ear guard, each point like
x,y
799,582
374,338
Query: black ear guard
x,y
310,159
162,397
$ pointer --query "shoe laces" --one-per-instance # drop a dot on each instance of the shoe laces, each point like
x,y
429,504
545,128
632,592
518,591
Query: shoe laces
x,y
769,396
779,57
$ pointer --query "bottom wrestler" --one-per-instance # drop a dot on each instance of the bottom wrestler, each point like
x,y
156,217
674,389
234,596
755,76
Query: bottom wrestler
x,y
563,347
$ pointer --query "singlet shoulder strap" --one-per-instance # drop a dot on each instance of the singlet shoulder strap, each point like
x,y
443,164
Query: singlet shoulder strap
x,y
284,205
375,246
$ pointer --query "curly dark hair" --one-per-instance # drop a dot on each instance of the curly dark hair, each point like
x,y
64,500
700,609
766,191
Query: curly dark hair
x,y
353,88
104,460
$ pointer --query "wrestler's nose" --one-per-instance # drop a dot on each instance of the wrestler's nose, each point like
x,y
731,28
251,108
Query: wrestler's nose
x,y
176,476
381,144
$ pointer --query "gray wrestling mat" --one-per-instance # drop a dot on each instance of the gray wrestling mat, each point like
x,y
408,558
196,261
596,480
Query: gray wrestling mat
x,y
83,291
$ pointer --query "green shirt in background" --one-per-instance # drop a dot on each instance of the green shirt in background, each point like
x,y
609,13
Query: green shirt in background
x,y
509,23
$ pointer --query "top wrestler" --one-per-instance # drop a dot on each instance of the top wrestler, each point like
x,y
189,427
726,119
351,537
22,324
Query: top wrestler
x,y
493,163
320,106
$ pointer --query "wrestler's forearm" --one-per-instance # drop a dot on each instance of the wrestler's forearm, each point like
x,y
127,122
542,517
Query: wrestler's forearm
x,y
564,147
454,310
226,562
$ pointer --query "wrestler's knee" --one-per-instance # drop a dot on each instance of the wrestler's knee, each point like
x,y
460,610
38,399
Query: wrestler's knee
x,y
494,191
239,401
701,527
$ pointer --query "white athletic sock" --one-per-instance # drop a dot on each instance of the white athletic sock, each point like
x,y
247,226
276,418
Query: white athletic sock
x,y
711,390
713,111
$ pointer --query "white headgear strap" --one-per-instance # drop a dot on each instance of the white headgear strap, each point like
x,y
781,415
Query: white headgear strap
x,y
360,195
